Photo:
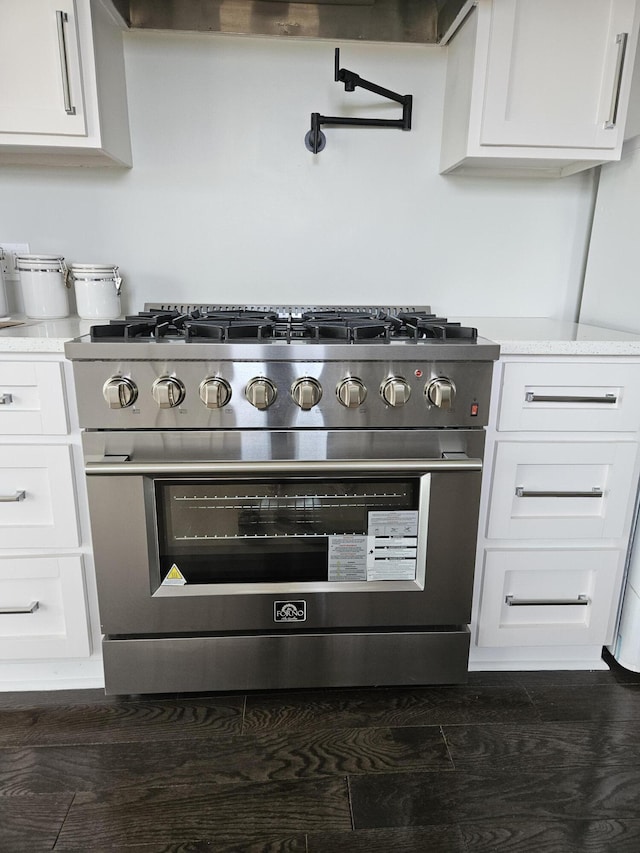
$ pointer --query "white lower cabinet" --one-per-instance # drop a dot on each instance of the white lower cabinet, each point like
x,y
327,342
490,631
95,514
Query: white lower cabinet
x,y
569,397
541,597
32,400
559,487
43,608
49,627
556,490
37,499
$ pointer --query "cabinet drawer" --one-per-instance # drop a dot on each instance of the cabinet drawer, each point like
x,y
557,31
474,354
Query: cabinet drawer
x,y
554,490
576,397
32,399
548,597
37,498
43,612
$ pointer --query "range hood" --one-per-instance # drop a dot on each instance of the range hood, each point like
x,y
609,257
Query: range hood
x,y
421,21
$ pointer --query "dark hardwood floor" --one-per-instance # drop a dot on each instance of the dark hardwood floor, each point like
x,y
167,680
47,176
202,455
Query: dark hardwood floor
x,y
544,762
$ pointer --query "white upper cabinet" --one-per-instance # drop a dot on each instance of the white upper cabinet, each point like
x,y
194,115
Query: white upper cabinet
x,y
39,53
63,98
539,87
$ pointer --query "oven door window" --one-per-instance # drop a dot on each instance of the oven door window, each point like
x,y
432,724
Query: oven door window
x,y
288,530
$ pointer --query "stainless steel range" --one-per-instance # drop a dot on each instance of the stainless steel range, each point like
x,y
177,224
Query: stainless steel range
x,y
283,497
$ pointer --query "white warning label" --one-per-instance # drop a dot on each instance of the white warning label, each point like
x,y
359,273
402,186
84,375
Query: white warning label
x,y
392,545
347,558
401,523
388,553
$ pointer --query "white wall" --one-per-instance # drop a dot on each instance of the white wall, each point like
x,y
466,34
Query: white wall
x,y
611,289
224,203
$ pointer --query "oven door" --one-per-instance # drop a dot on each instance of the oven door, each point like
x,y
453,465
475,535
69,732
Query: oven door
x,y
190,547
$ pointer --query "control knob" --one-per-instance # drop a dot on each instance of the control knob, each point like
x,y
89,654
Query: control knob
x,y
168,392
351,392
441,393
306,392
395,391
260,392
119,392
215,392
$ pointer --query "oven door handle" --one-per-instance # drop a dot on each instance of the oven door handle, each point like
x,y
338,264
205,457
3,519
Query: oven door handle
x,y
336,466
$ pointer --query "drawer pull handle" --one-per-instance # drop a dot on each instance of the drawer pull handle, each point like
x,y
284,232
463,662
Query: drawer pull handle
x,y
27,608
521,492
612,118
5,399
62,19
545,602
532,397
19,496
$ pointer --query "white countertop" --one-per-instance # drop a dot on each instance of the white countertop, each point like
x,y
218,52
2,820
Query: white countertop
x,y
516,336
542,336
41,335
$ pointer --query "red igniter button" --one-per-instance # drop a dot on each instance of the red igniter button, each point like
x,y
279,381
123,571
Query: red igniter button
x,y
474,410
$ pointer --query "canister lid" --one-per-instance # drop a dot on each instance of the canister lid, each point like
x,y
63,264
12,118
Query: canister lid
x,y
94,271
94,267
46,263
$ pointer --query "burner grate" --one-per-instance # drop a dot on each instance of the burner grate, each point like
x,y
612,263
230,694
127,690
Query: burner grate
x,y
350,324
234,328
348,329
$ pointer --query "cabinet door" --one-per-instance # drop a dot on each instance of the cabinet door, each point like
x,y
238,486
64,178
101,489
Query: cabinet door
x,y
43,611
548,597
553,490
553,71
41,89
32,400
565,396
37,498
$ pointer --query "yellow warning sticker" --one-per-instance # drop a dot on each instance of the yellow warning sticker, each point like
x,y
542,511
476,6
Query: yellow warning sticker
x,y
174,577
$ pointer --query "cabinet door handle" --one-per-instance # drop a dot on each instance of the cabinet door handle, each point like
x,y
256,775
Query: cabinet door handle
x,y
521,492
27,608
5,399
621,41
18,496
532,397
62,19
512,601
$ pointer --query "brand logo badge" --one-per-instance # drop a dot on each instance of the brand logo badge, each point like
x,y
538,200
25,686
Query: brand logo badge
x,y
289,611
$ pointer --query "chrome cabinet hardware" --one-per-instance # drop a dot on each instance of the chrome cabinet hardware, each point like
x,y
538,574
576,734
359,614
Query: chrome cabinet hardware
x,y
27,608
521,492
18,496
512,601
532,397
62,19
612,119
5,399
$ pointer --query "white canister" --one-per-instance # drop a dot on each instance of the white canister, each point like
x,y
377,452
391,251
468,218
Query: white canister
x,y
97,289
3,295
43,279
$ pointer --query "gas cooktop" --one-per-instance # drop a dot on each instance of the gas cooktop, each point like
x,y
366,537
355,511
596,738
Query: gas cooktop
x,y
285,324
219,366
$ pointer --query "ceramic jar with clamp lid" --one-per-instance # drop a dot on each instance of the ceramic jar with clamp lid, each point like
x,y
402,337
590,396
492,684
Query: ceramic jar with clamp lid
x,y
97,288
44,284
